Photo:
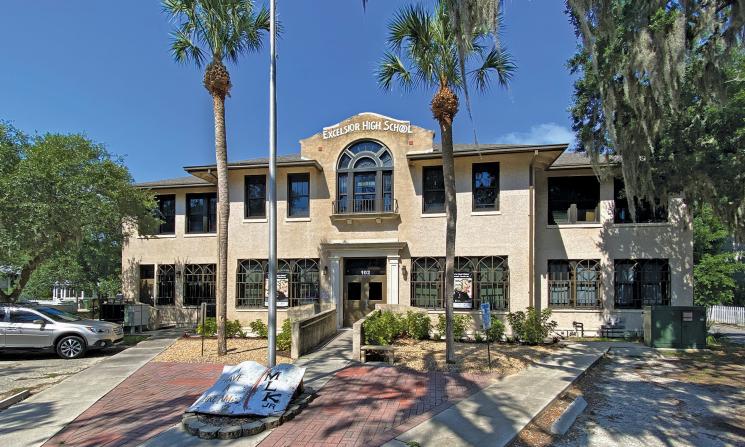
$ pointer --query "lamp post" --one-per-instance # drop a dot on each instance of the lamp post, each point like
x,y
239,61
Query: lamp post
x,y
272,314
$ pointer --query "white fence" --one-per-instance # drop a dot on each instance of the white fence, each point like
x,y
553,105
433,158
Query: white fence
x,y
727,315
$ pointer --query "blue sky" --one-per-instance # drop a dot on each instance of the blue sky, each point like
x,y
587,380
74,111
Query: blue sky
x,y
104,69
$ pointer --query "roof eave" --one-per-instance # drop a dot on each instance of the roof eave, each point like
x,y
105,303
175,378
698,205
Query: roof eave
x,y
280,164
434,155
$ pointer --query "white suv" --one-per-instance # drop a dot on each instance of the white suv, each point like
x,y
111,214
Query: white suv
x,y
40,327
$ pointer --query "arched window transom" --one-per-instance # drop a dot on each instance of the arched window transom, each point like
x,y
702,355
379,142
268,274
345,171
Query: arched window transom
x,y
365,179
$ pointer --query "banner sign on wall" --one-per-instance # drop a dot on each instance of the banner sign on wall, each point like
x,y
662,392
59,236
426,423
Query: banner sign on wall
x,y
463,291
251,389
283,290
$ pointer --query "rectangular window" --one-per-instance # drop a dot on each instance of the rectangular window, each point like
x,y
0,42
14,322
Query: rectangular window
x,y
574,284
485,186
642,282
255,196
645,212
433,190
341,187
147,283
201,213
199,285
166,285
298,195
573,199
167,213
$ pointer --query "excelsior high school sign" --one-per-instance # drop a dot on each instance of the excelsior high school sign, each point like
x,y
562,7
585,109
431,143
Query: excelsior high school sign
x,y
367,126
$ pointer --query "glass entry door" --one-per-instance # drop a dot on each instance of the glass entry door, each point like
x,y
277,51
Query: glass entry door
x,y
361,294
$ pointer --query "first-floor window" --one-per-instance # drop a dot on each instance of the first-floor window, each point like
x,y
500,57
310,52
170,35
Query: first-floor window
x,y
574,283
298,282
477,280
642,282
147,282
426,283
166,285
199,284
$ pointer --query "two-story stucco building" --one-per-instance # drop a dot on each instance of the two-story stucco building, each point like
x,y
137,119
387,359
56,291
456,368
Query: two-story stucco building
x,y
361,221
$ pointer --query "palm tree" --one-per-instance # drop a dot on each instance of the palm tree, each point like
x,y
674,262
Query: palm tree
x,y
424,53
211,32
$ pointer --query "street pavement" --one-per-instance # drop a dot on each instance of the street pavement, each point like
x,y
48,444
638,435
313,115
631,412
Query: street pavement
x,y
734,334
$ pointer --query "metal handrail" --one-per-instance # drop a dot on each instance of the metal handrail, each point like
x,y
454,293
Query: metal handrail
x,y
365,206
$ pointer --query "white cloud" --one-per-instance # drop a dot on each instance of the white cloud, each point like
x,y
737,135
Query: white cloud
x,y
546,133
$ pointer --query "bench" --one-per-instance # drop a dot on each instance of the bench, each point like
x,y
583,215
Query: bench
x,y
385,350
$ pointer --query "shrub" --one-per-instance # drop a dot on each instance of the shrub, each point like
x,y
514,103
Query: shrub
x,y
209,328
460,324
284,338
477,337
496,331
259,328
531,326
383,327
417,325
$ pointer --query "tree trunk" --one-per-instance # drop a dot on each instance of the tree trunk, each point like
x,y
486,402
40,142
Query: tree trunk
x,y
451,209
223,212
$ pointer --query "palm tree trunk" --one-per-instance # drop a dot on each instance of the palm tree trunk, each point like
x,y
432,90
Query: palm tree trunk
x,y
451,209
223,212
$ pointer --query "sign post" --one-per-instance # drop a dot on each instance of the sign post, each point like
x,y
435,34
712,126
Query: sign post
x,y
203,317
486,323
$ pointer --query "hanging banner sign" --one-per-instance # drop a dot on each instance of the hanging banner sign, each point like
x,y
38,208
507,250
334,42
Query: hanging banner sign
x,y
251,389
283,290
403,127
463,291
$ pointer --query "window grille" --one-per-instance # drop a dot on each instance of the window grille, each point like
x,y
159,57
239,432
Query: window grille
x,y
199,284
166,285
574,284
643,282
250,284
252,280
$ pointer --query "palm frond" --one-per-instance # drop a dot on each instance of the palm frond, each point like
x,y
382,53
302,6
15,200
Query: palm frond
x,y
410,26
184,50
392,70
497,62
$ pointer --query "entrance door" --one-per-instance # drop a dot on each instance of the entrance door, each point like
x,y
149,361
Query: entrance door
x,y
365,285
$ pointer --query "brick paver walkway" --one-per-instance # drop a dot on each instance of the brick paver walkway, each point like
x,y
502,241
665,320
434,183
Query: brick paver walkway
x,y
370,405
362,405
146,403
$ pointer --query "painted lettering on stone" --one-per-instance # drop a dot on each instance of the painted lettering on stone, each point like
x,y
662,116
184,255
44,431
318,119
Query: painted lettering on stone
x,y
402,127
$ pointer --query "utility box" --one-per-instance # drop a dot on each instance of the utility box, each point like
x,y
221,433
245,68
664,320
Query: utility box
x,y
679,327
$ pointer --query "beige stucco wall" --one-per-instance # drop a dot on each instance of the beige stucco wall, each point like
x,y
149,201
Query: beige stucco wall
x,y
502,233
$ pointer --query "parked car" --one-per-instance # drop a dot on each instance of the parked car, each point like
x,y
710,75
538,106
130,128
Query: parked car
x,y
43,327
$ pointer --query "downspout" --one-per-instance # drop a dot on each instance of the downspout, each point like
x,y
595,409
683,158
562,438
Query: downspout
x,y
531,236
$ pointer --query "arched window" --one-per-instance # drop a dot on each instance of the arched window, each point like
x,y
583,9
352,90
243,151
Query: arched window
x,y
426,283
199,284
250,284
493,282
305,282
364,179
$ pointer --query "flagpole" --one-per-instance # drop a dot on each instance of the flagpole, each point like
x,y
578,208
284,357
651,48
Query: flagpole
x,y
272,314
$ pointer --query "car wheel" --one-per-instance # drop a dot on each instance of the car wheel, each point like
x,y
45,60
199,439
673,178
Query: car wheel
x,y
70,347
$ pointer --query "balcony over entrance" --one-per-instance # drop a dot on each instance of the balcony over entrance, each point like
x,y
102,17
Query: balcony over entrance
x,y
362,209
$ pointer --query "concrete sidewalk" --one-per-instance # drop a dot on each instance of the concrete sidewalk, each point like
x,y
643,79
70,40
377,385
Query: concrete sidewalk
x,y
35,420
495,415
320,365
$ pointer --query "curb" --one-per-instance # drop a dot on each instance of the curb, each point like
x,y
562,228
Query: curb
x,y
570,414
14,399
561,393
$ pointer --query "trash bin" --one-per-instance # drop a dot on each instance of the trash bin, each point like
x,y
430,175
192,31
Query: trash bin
x,y
679,327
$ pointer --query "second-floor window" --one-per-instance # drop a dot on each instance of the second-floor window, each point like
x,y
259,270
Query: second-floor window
x,y
645,211
201,213
364,182
574,199
255,198
298,195
433,190
485,185
167,213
